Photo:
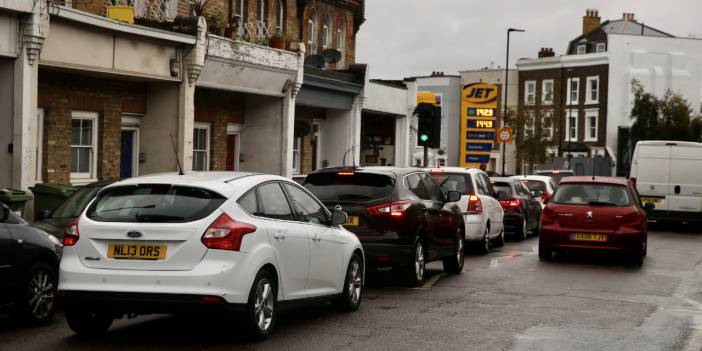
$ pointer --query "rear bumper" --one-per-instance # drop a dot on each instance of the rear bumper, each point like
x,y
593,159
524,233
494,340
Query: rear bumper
x,y
630,242
145,303
513,222
387,255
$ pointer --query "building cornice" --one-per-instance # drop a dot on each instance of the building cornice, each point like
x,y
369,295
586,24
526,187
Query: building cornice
x,y
563,61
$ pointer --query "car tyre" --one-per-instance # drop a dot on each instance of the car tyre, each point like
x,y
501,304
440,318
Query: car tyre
x,y
638,259
38,295
500,240
483,246
261,309
87,323
545,254
454,264
523,232
350,299
415,273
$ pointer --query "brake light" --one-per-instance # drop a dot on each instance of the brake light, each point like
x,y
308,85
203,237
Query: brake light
x,y
71,234
511,203
545,197
226,234
346,172
393,209
475,206
633,220
548,216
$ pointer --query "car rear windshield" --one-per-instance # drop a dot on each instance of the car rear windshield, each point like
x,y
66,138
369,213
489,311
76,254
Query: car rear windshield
x,y
359,187
535,185
154,203
502,186
592,195
75,204
454,182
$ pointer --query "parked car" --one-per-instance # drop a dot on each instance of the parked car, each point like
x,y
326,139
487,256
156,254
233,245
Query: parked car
x,y
667,174
208,241
482,213
56,223
595,213
556,174
29,259
541,187
399,214
522,210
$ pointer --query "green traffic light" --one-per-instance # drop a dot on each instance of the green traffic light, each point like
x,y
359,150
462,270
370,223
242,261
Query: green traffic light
x,y
423,137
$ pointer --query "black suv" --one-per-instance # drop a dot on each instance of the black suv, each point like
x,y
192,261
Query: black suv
x,y
400,215
522,210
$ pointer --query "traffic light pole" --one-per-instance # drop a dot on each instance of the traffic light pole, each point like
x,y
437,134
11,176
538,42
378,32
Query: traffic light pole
x,y
426,156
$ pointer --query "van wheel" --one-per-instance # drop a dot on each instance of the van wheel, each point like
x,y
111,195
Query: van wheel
x,y
350,299
415,272
88,323
261,309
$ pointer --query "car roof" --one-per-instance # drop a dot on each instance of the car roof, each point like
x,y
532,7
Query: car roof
x,y
533,177
670,143
554,170
219,182
504,179
384,170
594,180
455,170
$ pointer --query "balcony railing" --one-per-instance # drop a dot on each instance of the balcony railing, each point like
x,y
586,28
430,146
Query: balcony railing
x,y
257,32
156,10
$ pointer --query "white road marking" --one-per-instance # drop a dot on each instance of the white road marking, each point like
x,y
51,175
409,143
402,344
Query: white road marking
x,y
433,280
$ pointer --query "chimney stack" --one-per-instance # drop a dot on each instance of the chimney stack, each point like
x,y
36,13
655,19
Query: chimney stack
x,y
629,16
591,20
546,52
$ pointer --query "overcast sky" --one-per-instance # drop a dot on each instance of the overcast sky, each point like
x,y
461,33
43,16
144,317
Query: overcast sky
x,y
404,38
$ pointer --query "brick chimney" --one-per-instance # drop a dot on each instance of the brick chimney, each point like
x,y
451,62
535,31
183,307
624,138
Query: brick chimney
x,y
629,16
546,52
591,20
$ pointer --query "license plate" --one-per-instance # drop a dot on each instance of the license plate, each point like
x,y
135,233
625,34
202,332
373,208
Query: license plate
x,y
588,237
352,221
653,200
131,251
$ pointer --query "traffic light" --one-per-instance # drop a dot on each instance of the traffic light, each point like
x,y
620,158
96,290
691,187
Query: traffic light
x,y
429,126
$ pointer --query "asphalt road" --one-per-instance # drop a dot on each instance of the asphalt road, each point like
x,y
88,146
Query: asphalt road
x,y
506,300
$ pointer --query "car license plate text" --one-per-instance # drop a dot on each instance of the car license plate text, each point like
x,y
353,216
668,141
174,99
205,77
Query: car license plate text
x,y
136,251
352,221
588,237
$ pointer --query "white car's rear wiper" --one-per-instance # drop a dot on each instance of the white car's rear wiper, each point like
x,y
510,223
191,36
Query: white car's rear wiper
x,y
125,208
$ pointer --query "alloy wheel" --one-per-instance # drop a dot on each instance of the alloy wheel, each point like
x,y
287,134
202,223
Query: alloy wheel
x,y
524,229
263,307
41,289
355,282
460,254
419,261
486,240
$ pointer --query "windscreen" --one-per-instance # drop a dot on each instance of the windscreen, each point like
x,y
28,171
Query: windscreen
x,y
155,203
359,187
592,194
502,186
75,204
454,182
535,185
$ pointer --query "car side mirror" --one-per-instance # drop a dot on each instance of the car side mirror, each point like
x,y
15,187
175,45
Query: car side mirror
x,y
649,206
338,217
453,196
501,195
44,214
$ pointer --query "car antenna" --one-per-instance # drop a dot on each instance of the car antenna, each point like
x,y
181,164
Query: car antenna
x,y
175,151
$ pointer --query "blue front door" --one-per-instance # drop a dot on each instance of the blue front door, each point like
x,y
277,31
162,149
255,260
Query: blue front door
x,y
126,164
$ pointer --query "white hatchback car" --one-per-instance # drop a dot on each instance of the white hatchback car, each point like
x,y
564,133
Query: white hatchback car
x,y
541,187
218,241
482,213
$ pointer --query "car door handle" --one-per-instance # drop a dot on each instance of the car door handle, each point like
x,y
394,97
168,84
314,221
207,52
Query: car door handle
x,y
279,236
316,238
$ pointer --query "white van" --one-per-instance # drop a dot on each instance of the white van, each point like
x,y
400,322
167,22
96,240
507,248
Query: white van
x,y
669,175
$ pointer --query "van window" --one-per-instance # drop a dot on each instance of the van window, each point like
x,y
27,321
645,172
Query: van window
x,y
154,203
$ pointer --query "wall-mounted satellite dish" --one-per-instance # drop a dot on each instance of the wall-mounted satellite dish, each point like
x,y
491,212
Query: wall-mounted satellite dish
x,y
331,56
315,61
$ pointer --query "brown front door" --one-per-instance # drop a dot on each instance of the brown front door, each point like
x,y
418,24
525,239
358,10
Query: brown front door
x,y
232,152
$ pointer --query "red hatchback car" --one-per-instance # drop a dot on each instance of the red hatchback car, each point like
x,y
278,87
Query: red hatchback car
x,y
595,213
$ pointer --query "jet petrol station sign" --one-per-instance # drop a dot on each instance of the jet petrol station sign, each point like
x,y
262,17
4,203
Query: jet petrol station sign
x,y
478,123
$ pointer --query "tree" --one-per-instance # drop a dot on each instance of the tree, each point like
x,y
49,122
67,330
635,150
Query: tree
x,y
531,138
666,118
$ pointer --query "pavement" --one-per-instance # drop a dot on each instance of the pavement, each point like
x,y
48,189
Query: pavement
x,y
506,300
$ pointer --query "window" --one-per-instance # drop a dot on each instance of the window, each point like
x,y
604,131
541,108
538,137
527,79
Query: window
x,y
571,126
547,92
249,203
547,124
312,32
274,204
261,25
592,194
593,90
414,183
360,187
83,146
280,17
296,155
573,91
591,125
307,208
582,49
529,92
529,123
454,182
75,204
201,147
482,185
601,47
341,41
326,33
432,189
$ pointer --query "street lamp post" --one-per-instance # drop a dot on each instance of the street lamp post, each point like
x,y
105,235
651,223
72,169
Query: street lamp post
x,y
506,89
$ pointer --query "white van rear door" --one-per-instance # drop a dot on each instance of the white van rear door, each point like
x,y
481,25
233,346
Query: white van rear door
x,y
653,174
685,181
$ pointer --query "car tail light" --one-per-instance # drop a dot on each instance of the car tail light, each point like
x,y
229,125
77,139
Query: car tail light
x,y
393,209
545,197
548,216
226,234
632,220
71,234
475,206
510,204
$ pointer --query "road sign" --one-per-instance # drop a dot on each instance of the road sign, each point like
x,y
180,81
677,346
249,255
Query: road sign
x,y
505,135
479,116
